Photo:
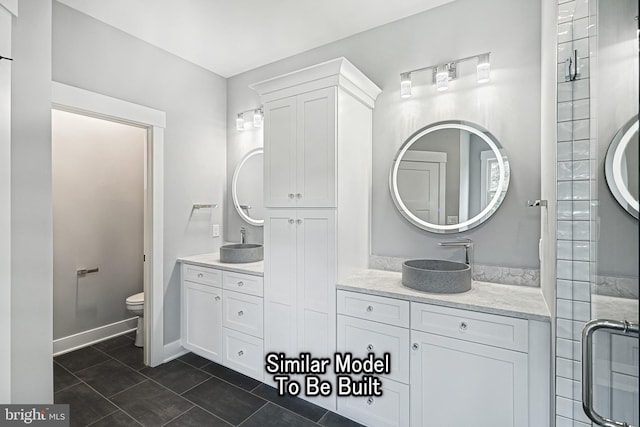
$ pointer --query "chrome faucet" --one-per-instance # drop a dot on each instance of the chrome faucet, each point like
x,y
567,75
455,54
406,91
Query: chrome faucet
x,y
243,235
468,250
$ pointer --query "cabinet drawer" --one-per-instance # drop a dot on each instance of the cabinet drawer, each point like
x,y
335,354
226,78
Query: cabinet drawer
x,y
361,337
371,307
241,312
243,353
245,283
389,410
206,276
490,329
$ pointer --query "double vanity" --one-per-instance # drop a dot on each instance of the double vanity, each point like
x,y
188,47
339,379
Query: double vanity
x,y
460,352
485,350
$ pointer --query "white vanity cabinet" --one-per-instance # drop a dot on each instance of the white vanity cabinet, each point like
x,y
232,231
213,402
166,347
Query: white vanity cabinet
x,y
222,317
378,325
449,366
202,311
468,368
317,173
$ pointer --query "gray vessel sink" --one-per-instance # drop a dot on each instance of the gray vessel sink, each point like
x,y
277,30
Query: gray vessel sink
x,y
437,276
238,253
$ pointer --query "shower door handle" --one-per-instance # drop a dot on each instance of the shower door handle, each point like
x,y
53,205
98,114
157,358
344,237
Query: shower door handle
x,y
85,271
587,359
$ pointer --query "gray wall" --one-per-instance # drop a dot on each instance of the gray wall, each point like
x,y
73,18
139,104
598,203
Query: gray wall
x,y
98,220
616,86
31,236
94,56
509,107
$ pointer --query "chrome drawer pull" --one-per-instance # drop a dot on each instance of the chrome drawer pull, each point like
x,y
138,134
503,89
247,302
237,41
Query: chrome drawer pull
x,y
370,308
241,313
217,298
200,275
463,326
370,347
240,283
240,353
370,401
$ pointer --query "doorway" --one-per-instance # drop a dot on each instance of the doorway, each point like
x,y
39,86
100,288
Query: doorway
x,y
69,99
98,226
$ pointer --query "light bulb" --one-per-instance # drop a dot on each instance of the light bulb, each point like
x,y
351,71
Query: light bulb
x,y
240,122
405,85
257,118
483,68
442,77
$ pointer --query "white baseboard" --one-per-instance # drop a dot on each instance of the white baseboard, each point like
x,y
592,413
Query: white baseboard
x,y
92,336
173,350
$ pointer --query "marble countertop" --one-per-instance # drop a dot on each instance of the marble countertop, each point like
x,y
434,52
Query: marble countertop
x,y
213,260
509,300
614,308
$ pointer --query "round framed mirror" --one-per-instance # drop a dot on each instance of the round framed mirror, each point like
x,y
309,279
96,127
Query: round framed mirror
x,y
449,177
621,166
246,188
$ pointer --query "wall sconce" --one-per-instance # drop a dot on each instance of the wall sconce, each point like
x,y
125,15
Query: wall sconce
x,y
244,122
442,74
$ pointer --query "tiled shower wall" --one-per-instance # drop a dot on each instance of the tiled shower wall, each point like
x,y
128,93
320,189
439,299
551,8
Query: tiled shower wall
x,y
575,209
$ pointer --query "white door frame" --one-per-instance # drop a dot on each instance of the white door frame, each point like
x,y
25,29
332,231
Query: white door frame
x,y
76,100
8,12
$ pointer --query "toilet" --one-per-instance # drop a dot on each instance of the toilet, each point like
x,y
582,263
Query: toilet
x,y
135,304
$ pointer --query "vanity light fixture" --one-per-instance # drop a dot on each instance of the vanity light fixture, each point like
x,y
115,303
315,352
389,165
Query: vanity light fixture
x,y
442,77
483,69
443,73
255,121
258,116
405,85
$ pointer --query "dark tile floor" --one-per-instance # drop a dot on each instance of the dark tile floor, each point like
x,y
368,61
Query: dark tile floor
x,y
107,384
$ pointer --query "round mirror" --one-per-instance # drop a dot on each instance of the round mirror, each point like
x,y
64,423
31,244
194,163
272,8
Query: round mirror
x,y
246,188
449,177
621,166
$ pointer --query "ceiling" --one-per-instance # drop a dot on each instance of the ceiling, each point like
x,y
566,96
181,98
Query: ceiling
x,y
229,37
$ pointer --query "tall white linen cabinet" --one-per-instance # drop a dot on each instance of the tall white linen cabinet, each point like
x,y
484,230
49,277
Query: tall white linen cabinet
x,y
317,185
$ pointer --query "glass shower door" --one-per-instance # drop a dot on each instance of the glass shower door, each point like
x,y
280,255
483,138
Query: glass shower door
x,y
610,342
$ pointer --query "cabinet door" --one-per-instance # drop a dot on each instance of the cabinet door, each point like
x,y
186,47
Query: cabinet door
x,y
202,320
280,153
316,278
460,383
280,281
316,149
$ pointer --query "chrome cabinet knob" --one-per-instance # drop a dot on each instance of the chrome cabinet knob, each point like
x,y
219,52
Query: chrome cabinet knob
x,y
415,346
370,401
240,353
241,313
299,222
298,196
370,347
370,308
291,195
200,275
291,221
463,326
217,297
240,283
